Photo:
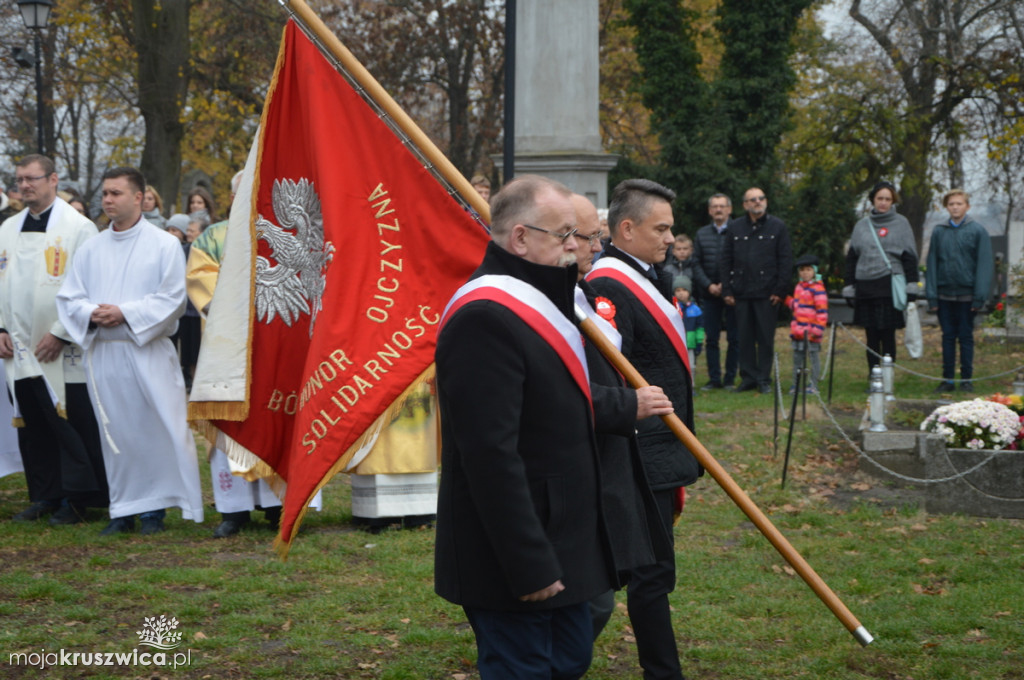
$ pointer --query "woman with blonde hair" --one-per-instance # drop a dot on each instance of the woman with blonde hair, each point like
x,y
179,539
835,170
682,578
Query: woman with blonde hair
x,y
152,207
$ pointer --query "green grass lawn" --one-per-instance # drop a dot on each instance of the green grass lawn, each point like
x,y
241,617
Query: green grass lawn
x,y
942,595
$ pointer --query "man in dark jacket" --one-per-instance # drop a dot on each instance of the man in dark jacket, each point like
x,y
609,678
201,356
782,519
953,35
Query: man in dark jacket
x,y
653,339
634,526
756,263
521,542
707,277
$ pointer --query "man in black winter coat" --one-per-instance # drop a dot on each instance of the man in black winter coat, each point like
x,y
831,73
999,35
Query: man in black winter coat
x,y
521,541
708,245
653,339
757,264
634,526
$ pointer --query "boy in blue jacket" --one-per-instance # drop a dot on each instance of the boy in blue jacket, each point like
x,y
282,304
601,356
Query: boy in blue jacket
x,y
693,318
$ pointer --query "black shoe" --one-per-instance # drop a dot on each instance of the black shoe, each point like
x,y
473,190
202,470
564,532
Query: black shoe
x,y
944,387
68,514
273,517
231,523
966,386
119,525
712,385
745,387
37,510
764,389
152,525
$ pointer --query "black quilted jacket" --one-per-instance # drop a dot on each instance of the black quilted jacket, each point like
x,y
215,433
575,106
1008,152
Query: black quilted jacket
x,y
667,462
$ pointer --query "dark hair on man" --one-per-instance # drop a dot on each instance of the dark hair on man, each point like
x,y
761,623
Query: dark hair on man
x,y
133,176
516,202
714,196
883,185
45,162
633,199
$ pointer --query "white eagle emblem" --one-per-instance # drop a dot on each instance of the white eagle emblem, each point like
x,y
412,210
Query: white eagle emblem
x,y
295,284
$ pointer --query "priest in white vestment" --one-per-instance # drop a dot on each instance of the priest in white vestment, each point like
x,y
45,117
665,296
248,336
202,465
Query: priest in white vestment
x,y
57,435
10,457
121,303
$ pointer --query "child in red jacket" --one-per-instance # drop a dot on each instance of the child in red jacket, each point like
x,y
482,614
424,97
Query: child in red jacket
x,y
810,316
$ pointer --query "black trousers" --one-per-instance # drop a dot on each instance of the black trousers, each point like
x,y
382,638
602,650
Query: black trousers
x,y
649,612
62,458
718,315
755,321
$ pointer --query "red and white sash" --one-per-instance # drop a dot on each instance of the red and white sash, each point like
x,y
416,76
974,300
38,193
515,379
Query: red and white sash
x,y
663,311
536,311
609,331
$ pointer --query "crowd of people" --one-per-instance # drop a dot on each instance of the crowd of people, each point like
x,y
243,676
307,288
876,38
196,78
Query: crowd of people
x,y
560,484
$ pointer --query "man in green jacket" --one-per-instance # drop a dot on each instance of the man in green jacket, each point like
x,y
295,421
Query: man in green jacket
x,y
957,285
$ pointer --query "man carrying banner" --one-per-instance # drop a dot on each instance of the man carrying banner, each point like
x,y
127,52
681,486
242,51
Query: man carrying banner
x,y
639,295
521,542
121,303
634,525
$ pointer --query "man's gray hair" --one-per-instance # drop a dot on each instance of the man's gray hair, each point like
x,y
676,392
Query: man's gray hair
x,y
633,199
516,203
200,217
728,201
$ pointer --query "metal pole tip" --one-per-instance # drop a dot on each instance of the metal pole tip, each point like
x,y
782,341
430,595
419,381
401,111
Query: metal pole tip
x,y
863,636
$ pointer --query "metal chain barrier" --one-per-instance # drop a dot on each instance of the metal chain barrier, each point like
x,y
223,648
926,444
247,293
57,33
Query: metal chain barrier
x,y
1012,371
915,480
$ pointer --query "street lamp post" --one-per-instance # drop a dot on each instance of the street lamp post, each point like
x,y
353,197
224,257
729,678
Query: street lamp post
x,y
36,15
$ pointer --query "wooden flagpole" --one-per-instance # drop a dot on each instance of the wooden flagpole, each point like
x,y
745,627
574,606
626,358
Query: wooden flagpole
x,y
358,72
725,480
311,21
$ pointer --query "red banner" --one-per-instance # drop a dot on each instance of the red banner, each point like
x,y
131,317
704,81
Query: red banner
x,y
357,250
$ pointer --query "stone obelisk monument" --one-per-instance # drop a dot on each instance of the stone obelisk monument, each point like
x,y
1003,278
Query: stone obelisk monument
x,y
557,133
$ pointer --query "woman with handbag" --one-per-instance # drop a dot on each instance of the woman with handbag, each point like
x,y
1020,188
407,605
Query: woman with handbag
x,y
881,272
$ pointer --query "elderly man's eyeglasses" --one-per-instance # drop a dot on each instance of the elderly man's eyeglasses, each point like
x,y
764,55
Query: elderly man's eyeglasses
x,y
561,237
28,180
591,240
755,199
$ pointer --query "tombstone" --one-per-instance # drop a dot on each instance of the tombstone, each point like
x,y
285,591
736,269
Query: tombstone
x,y
1014,263
557,133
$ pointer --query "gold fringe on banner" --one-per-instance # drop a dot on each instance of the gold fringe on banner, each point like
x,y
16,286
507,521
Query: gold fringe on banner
x,y
282,545
18,422
199,411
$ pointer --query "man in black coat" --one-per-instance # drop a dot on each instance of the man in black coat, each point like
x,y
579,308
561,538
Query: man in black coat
x,y
637,534
653,339
521,541
757,264
708,245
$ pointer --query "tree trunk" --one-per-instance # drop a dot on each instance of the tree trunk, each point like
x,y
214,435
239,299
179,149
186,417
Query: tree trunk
x,y
161,40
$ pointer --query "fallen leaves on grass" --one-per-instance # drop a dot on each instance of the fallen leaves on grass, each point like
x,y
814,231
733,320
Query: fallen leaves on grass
x,y
937,588
783,569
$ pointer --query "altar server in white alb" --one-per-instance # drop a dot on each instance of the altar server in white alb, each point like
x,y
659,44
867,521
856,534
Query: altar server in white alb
x,y
121,303
57,436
